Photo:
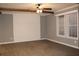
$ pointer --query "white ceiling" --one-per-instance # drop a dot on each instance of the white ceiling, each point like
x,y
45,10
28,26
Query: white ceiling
x,y
54,6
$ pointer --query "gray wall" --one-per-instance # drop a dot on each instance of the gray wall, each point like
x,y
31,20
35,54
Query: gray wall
x,y
6,27
51,30
43,22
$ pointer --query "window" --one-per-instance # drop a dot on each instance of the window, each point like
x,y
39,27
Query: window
x,y
67,24
61,25
73,25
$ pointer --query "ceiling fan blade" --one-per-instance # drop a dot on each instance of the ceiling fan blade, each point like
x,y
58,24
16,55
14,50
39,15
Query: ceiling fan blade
x,y
47,8
48,12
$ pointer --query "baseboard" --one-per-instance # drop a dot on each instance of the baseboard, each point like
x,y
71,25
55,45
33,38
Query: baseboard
x,y
64,43
1,43
44,38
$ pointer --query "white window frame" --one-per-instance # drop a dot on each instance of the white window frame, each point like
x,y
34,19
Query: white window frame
x,y
66,32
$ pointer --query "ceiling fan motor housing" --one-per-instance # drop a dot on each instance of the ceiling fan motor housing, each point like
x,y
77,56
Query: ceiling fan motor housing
x,y
38,5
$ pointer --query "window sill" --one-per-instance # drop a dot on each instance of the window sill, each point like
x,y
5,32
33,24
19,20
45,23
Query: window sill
x,y
72,38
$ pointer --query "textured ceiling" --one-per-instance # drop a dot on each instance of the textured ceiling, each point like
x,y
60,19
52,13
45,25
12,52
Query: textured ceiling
x,y
54,6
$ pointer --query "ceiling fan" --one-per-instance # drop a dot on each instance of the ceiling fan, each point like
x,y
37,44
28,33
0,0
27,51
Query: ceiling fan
x,y
38,9
43,10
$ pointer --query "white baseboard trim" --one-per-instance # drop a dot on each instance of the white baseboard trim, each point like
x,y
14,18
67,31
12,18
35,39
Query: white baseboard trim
x,y
64,43
1,43
44,38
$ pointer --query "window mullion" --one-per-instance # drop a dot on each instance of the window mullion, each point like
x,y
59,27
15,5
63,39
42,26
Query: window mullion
x,y
66,25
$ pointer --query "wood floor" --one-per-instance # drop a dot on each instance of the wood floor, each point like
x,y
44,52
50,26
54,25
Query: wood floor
x,y
37,48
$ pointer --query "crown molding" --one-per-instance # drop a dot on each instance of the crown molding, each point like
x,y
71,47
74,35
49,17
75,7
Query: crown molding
x,y
73,6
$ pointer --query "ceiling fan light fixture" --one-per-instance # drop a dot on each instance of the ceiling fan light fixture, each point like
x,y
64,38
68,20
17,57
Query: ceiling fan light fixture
x,y
39,11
